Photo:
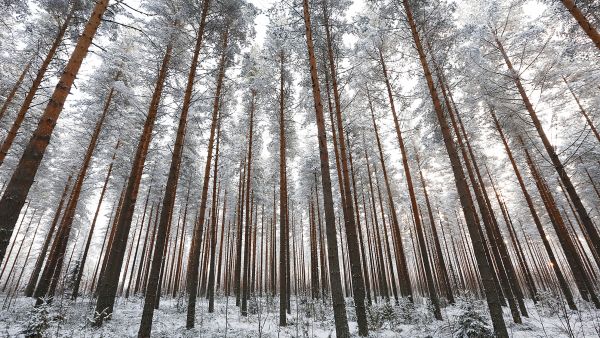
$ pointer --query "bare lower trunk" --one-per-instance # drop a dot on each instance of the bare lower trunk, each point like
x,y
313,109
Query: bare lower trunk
x,y
194,256
339,308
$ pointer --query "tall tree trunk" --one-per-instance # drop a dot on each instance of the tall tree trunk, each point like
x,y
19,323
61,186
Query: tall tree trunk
x,y
556,162
405,287
194,256
152,295
16,255
107,286
238,239
14,196
556,267
322,254
35,273
138,280
583,112
54,265
35,85
358,285
247,244
283,235
314,261
462,187
151,247
436,240
582,280
98,268
13,91
14,241
213,231
358,226
77,282
411,192
382,274
339,307
583,22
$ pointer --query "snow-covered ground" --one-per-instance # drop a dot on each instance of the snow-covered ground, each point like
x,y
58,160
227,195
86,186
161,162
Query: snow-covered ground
x,y
308,319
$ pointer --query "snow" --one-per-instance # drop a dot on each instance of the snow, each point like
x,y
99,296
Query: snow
x,y
308,319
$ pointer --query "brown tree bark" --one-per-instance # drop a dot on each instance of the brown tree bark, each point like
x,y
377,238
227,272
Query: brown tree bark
x,y
54,264
358,284
75,292
462,187
556,162
339,307
35,85
13,91
213,231
248,221
137,248
583,111
14,196
365,270
35,273
147,237
405,286
411,192
314,261
107,286
152,295
239,231
383,284
194,256
322,249
582,281
283,234
583,22
219,262
436,240
384,236
151,247
105,243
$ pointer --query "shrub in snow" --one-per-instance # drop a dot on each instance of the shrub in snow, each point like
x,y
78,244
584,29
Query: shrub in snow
x,y
350,309
100,316
39,320
181,304
407,313
253,306
548,304
380,315
471,323
321,310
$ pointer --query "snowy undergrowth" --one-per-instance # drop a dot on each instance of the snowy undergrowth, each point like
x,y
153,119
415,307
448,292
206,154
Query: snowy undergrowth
x,y
308,318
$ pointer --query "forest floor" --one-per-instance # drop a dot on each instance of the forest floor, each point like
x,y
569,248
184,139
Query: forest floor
x,y
308,319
